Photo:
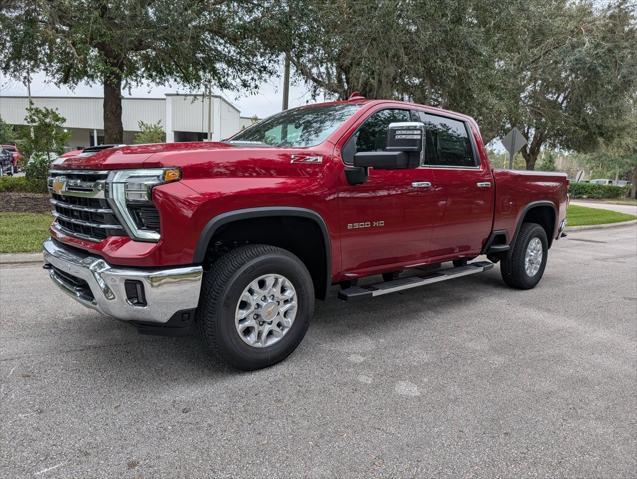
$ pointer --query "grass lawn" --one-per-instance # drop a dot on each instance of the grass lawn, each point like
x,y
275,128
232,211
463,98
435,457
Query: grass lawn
x,y
582,215
23,232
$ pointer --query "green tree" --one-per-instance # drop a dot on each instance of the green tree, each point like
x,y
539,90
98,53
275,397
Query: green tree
x,y
44,132
563,72
547,160
571,72
617,159
120,43
438,52
43,137
150,133
7,133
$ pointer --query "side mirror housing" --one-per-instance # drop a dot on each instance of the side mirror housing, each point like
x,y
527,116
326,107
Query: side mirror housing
x,y
405,149
406,136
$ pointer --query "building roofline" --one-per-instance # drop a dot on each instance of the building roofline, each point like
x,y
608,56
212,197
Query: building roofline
x,y
201,94
59,97
137,98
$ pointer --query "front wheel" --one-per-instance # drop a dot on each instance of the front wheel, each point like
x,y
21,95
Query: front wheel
x,y
256,305
524,266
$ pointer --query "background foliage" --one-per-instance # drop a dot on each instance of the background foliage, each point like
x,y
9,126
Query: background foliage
x,y
562,71
593,191
119,43
150,133
40,142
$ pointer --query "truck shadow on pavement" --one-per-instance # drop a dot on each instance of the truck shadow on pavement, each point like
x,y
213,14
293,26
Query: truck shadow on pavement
x,y
337,325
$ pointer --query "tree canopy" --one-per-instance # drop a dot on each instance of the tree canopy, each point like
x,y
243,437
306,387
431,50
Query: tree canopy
x,y
563,72
120,43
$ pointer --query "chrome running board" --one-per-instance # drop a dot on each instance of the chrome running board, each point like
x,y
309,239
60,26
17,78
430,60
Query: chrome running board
x,y
409,282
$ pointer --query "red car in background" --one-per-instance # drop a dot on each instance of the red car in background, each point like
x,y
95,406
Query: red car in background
x,y
17,156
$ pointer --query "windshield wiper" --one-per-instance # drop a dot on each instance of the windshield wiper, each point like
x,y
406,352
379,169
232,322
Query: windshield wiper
x,y
248,143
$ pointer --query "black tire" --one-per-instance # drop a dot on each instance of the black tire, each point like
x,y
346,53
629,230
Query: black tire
x,y
221,289
512,266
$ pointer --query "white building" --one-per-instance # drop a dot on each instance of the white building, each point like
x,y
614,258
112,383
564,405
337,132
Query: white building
x,y
183,117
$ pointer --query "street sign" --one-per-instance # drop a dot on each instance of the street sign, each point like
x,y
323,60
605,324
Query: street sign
x,y
579,176
513,142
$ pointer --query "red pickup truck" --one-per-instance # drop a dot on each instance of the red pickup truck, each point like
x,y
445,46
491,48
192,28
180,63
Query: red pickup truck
x,y
239,237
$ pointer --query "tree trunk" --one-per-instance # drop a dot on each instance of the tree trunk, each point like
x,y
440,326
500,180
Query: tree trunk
x,y
530,157
532,151
113,128
633,187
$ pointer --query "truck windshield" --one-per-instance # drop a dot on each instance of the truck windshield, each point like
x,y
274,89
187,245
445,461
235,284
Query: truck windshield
x,y
305,126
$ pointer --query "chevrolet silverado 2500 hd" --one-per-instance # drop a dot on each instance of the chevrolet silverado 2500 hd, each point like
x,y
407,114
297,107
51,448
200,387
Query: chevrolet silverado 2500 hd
x,y
240,237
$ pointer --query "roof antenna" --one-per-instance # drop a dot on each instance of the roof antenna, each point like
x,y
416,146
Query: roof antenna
x,y
355,96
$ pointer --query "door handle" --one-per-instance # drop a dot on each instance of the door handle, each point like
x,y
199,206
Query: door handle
x,y
421,184
483,184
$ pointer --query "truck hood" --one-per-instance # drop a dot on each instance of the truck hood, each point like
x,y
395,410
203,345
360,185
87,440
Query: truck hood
x,y
129,156
196,159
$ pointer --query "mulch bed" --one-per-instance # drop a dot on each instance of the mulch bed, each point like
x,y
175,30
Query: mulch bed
x,y
11,202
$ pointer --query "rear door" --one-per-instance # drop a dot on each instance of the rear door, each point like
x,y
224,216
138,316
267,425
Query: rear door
x,y
465,184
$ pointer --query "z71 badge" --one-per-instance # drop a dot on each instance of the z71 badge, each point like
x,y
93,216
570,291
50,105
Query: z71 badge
x,y
366,224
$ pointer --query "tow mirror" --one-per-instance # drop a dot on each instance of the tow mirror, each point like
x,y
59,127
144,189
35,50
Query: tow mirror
x,y
406,136
405,149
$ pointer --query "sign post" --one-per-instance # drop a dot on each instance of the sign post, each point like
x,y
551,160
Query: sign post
x,y
513,142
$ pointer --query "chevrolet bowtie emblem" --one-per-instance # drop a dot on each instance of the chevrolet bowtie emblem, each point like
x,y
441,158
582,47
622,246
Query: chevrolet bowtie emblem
x,y
59,182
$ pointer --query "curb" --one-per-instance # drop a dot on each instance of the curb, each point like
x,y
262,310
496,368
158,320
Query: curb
x,y
574,229
20,258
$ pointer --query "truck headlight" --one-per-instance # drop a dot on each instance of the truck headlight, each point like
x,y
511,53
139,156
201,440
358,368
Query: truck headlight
x,y
130,196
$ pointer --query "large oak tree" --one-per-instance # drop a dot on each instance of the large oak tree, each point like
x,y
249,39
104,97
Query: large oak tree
x,y
563,72
120,43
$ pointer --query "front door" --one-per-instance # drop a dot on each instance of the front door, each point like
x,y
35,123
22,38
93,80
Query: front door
x,y
387,221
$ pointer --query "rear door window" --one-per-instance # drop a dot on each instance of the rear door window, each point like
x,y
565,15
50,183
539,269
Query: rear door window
x,y
447,142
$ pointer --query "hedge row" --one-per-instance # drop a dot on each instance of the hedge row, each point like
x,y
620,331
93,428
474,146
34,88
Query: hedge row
x,y
590,190
21,184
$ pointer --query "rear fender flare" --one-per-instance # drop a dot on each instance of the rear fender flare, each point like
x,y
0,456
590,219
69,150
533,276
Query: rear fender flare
x,y
523,214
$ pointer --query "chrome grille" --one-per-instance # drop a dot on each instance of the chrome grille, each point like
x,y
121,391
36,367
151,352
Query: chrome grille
x,y
80,207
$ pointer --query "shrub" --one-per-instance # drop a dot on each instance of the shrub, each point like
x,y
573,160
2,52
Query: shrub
x,y
37,169
589,190
21,184
150,133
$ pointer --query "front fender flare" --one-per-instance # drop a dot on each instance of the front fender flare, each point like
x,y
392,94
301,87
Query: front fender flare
x,y
231,216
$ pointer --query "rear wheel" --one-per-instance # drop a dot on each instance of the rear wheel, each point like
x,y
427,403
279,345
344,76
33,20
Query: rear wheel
x,y
255,307
524,266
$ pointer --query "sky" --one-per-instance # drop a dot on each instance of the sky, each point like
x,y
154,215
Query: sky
x,y
263,104
266,102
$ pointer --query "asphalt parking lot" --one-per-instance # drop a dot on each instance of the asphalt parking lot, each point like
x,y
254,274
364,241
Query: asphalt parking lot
x,y
459,379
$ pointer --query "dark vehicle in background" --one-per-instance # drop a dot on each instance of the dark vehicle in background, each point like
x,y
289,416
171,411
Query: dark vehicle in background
x,y
16,156
6,162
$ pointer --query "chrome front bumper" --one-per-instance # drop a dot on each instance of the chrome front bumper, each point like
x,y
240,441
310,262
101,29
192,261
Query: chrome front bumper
x,y
94,283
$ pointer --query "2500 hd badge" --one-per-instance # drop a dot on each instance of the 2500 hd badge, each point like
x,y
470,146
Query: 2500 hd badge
x,y
365,224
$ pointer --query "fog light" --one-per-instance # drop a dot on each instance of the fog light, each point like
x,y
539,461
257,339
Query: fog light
x,y
135,292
